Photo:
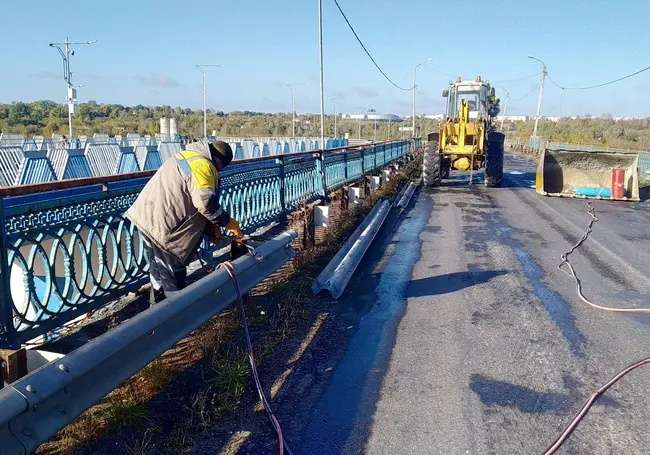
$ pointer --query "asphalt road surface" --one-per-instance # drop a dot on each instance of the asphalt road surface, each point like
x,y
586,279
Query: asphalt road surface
x,y
475,343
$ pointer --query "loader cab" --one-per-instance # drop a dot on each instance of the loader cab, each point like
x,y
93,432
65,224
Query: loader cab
x,y
475,92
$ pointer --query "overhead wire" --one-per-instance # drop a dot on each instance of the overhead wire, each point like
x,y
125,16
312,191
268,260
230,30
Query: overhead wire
x,y
438,71
388,91
518,79
527,94
597,85
366,50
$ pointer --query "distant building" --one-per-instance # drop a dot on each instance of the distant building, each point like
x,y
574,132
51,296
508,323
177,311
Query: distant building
x,y
514,118
628,118
372,116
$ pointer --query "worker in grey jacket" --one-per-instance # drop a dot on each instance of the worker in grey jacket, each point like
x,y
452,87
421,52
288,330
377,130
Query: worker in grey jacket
x,y
174,209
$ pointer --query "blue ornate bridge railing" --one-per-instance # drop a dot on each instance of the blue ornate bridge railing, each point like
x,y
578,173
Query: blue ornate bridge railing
x,y
67,249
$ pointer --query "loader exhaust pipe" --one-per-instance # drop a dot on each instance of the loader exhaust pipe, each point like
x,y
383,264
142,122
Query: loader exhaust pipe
x,y
583,174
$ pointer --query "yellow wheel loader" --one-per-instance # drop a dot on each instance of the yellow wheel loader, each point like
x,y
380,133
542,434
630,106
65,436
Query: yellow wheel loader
x,y
466,140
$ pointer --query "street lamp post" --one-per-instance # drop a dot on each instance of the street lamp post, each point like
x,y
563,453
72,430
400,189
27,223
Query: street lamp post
x,y
293,108
67,75
360,110
204,71
541,91
414,87
322,95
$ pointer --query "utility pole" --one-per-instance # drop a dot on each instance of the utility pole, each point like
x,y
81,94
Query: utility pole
x,y
204,71
67,75
375,129
360,109
541,91
336,134
414,88
505,107
293,107
322,99
413,127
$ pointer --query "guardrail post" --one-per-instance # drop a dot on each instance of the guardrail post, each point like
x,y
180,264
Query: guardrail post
x,y
345,160
7,337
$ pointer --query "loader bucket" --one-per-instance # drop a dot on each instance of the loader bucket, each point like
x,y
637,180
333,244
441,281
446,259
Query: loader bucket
x,y
575,173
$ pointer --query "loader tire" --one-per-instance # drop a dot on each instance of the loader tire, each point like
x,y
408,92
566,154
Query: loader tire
x,y
494,160
431,164
445,167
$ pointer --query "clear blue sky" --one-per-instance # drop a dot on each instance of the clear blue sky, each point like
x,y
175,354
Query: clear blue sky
x,y
147,51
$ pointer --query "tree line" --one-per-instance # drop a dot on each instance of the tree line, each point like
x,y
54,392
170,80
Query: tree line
x,y
603,131
47,118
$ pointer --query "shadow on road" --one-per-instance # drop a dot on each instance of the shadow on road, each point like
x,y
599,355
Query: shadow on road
x,y
451,282
644,193
498,393
518,180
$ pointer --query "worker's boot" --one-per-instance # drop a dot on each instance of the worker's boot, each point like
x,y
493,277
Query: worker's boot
x,y
155,296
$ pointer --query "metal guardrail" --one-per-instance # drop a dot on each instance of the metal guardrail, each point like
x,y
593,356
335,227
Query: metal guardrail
x,y
336,275
66,247
35,407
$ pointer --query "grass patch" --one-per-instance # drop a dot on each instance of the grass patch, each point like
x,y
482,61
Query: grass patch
x,y
232,376
181,440
141,446
119,414
156,375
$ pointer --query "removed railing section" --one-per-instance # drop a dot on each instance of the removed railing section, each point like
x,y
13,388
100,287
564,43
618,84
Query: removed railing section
x,y
337,273
67,249
24,162
35,407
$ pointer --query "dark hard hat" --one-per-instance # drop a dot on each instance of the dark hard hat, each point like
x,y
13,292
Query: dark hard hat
x,y
222,150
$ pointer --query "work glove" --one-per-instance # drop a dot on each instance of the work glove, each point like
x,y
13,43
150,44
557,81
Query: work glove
x,y
213,232
233,226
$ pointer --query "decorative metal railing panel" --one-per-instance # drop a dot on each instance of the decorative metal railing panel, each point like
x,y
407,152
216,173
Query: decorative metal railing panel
x,y
36,169
250,193
76,167
369,159
302,180
380,160
335,167
66,252
11,158
644,165
354,167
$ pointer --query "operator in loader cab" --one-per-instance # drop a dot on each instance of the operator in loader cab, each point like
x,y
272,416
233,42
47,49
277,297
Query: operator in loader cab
x,y
176,207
